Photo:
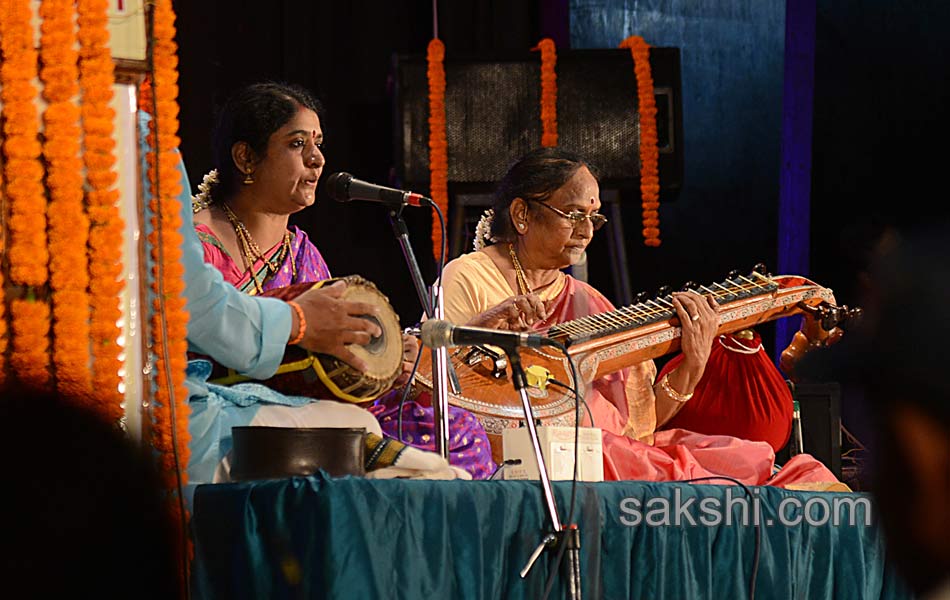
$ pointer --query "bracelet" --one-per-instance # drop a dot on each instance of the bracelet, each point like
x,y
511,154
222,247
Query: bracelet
x,y
665,385
301,323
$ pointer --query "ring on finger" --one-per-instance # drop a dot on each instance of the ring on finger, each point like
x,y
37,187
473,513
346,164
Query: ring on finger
x,y
695,317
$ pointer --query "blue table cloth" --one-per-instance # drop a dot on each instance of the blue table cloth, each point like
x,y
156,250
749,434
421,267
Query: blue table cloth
x,y
317,537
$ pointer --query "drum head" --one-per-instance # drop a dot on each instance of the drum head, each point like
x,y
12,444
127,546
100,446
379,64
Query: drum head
x,y
383,354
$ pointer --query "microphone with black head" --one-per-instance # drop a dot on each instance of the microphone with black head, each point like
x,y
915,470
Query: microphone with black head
x,y
344,187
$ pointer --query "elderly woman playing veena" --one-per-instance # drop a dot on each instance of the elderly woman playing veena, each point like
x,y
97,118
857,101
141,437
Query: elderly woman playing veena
x,y
546,211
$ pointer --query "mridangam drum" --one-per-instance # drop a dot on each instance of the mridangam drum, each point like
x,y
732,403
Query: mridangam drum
x,y
304,373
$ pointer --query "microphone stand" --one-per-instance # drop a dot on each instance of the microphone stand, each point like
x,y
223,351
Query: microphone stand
x,y
442,372
568,535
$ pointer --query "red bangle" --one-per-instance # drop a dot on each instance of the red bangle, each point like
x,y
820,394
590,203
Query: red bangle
x,y
301,323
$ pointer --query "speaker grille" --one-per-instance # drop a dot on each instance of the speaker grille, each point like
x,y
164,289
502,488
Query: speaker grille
x,y
493,115
485,121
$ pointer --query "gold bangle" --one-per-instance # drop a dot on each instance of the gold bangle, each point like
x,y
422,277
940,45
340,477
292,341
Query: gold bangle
x,y
301,323
666,387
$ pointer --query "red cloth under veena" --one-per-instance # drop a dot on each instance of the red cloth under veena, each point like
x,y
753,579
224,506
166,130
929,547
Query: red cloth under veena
x,y
741,394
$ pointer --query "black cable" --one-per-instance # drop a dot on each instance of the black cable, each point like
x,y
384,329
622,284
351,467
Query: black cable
x,y
583,401
560,555
506,463
440,266
405,393
557,565
415,366
565,528
577,429
755,524
442,251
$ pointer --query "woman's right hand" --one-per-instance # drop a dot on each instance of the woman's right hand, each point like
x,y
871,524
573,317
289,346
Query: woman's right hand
x,y
517,313
332,323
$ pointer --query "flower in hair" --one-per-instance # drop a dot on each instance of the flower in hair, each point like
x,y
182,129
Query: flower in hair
x,y
483,230
203,199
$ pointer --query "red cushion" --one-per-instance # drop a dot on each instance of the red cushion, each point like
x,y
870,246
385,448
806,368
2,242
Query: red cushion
x,y
741,394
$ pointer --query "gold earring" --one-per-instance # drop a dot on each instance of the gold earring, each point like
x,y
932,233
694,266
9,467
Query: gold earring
x,y
248,179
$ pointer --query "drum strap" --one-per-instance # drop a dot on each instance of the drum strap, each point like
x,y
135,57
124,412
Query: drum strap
x,y
310,362
234,377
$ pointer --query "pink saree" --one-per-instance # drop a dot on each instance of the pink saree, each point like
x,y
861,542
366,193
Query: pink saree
x,y
307,265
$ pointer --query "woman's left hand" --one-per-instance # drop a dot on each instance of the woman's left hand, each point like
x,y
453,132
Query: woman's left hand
x,y
699,319
410,349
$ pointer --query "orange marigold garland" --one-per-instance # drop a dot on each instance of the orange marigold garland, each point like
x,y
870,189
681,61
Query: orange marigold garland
x,y
438,144
68,225
27,254
649,153
169,432
169,319
96,75
548,92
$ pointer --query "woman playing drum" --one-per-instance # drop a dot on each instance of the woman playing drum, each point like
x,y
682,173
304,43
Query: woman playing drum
x,y
268,158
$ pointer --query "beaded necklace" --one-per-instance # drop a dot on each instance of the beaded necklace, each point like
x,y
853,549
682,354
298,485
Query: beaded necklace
x,y
251,252
519,272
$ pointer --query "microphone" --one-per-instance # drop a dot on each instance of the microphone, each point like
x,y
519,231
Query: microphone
x,y
344,188
436,333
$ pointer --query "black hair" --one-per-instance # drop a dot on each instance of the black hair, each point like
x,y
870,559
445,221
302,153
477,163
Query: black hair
x,y
252,115
535,176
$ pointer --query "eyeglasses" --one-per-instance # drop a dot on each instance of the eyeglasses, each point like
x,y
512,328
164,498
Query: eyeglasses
x,y
576,217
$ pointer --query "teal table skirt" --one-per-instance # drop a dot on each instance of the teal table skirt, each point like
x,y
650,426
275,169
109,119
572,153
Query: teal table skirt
x,y
357,538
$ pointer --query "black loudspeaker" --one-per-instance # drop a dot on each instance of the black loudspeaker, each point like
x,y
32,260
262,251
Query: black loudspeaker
x,y
493,116
820,408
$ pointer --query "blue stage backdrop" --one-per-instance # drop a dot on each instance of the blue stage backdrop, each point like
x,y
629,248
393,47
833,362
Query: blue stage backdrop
x,y
725,215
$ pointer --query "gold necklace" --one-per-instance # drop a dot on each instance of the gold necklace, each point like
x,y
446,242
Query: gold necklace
x,y
251,252
519,272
